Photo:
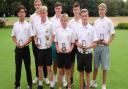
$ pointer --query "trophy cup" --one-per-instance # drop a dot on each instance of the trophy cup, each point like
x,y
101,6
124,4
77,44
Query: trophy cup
x,y
38,41
84,45
101,37
63,47
20,42
47,37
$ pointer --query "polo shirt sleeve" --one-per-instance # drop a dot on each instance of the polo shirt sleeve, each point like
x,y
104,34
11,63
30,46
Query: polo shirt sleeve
x,y
111,28
13,31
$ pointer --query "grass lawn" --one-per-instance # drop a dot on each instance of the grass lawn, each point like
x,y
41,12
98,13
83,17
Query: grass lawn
x,y
117,75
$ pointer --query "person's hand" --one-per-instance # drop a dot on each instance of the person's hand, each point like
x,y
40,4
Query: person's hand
x,y
22,46
68,50
105,42
58,50
38,45
79,45
84,48
17,45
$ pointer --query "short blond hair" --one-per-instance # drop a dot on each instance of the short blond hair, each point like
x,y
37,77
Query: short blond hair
x,y
84,11
43,9
35,1
64,15
103,5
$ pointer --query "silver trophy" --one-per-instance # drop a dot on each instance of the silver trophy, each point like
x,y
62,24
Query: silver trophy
x,y
84,45
101,37
38,41
20,42
63,47
47,37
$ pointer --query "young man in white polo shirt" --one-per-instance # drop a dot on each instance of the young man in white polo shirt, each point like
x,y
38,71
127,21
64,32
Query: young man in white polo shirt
x,y
34,19
64,44
74,24
105,32
43,40
86,41
22,35
55,23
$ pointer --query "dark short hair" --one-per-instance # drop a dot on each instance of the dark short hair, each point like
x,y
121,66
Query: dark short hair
x,y
21,7
57,4
76,4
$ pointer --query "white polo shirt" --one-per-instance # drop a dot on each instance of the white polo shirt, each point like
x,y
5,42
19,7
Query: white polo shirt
x,y
34,19
41,30
104,26
22,31
88,34
75,25
55,24
64,36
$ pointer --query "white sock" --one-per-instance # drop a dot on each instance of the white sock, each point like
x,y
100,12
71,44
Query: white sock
x,y
40,83
63,78
55,78
60,88
52,83
94,80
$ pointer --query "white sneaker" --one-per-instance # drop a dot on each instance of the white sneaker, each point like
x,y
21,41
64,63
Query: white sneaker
x,y
93,84
18,87
103,86
46,80
35,80
55,79
64,83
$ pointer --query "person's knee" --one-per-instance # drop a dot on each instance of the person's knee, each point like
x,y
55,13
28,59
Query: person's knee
x,y
81,75
95,69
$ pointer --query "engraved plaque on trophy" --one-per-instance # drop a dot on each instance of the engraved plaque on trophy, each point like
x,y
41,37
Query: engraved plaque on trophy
x,y
63,47
38,41
84,45
20,42
101,37
47,37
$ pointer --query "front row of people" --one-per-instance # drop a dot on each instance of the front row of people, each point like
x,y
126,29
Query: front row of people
x,y
85,39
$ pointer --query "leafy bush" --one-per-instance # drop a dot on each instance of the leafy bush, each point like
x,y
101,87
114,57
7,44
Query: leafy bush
x,y
2,22
122,25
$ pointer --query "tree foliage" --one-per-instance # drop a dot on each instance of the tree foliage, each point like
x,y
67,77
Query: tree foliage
x,y
115,7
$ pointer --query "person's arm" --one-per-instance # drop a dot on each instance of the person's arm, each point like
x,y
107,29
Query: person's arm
x,y
57,48
112,33
78,44
15,41
27,42
109,40
93,45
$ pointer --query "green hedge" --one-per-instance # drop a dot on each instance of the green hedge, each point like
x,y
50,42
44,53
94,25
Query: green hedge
x,y
122,25
2,22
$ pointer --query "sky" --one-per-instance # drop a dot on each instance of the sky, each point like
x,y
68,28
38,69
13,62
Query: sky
x,y
124,0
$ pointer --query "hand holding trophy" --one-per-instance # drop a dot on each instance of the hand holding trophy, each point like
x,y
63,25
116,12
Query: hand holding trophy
x,y
84,46
21,44
47,36
101,38
38,43
63,47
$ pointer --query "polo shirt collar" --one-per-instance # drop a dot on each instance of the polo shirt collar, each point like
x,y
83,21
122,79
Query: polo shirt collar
x,y
22,22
